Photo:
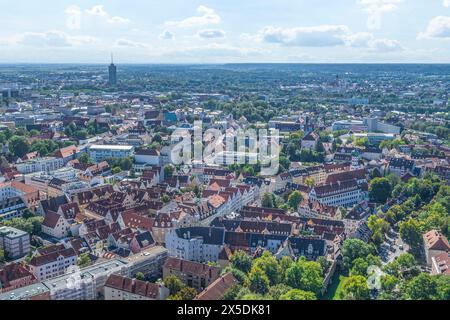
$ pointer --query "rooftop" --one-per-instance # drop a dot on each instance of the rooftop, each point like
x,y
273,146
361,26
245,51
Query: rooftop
x,y
24,293
111,147
11,232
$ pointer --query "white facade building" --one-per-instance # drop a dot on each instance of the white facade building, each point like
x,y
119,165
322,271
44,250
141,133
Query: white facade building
x,y
42,164
341,194
201,244
101,152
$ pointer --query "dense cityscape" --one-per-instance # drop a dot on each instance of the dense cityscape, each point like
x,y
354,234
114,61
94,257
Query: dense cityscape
x,y
95,204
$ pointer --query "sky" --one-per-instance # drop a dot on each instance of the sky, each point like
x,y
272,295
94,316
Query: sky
x,y
225,31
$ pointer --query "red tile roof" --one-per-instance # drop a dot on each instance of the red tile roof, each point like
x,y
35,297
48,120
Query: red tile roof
x,y
51,219
142,288
217,289
434,240
136,221
190,267
67,152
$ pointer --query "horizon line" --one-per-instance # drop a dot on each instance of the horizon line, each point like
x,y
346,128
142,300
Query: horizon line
x,y
226,63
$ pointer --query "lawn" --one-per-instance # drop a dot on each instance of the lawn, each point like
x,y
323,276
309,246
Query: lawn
x,y
335,287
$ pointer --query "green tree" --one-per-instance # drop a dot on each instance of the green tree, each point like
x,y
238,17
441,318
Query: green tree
x,y
284,163
305,275
296,294
355,288
379,227
285,263
443,286
84,260
278,290
19,146
359,267
324,264
410,232
380,190
422,287
269,264
140,276
389,283
80,134
185,293
257,281
241,261
310,182
267,201
116,170
168,171
240,276
84,159
2,255
353,249
174,284
295,198
232,293
31,225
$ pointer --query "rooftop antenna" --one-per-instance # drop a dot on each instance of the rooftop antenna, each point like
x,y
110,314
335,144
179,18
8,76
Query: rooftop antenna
x,y
112,58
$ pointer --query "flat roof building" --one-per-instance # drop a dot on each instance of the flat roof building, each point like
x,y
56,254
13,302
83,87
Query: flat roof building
x,y
15,242
101,152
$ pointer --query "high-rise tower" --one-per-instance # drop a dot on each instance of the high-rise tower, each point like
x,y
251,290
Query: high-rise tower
x,y
112,72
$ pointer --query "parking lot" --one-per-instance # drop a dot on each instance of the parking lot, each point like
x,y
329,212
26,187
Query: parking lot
x,y
392,247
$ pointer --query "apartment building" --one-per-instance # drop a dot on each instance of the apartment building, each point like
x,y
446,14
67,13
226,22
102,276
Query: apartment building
x,y
15,242
193,274
201,244
46,164
118,287
52,263
86,283
340,194
15,275
101,152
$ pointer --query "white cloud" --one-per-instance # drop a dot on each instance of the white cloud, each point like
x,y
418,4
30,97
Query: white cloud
x,y
207,16
130,44
99,11
446,3
367,40
52,39
211,34
439,27
323,36
318,36
385,45
359,39
73,17
166,35
376,9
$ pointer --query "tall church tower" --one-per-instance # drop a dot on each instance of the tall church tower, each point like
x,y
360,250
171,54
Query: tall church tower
x,y
112,72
